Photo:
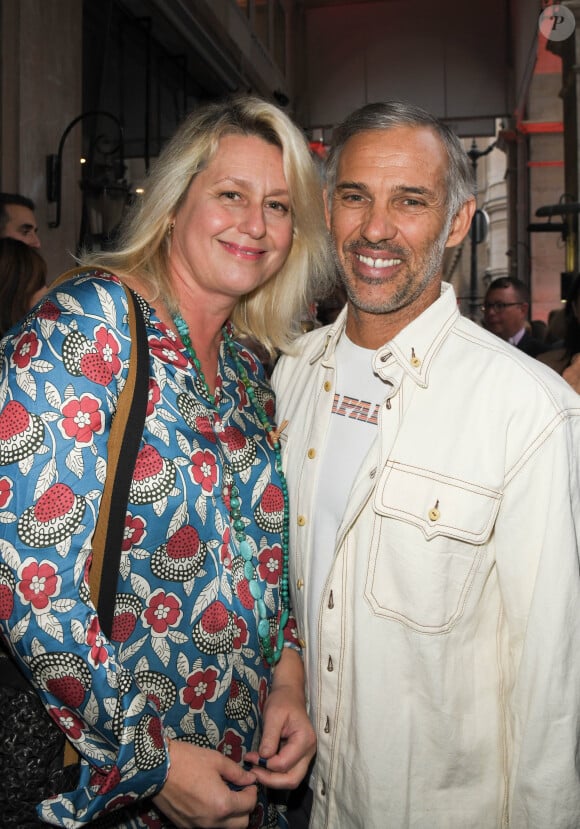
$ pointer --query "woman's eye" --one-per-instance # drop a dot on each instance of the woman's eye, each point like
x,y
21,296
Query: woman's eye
x,y
278,206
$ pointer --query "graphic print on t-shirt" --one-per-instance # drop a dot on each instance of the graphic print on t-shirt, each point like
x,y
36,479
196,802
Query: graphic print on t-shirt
x,y
356,409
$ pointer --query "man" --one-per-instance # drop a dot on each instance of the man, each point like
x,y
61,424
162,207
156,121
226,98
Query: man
x,y
505,313
433,477
17,219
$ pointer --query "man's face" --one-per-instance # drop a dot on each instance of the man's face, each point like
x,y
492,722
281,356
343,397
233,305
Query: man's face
x,y
388,219
504,315
21,225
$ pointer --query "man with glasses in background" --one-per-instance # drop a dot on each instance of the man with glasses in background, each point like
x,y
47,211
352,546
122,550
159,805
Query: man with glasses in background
x,y
505,313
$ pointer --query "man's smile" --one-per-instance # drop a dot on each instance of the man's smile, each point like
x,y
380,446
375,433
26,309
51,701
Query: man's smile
x,y
377,263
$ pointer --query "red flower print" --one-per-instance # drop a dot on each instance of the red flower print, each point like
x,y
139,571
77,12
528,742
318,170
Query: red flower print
x,y
5,492
27,347
68,721
167,351
163,611
242,395
204,427
231,745
225,552
204,470
201,686
291,632
95,638
270,564
262,694
248,358
154,396
241,635
108,347
134,532
117,803
38,583
82,419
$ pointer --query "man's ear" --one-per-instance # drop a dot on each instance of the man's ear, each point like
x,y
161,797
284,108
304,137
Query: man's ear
x,y
461,223
326,207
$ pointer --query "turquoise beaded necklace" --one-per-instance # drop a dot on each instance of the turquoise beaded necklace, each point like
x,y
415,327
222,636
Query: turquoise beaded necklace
x,y
271,653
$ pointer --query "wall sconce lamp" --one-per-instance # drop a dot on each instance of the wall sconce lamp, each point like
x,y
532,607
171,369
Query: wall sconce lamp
x,y
110,175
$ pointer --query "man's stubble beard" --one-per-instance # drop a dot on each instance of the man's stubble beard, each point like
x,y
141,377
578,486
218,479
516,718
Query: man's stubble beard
x,y
409,291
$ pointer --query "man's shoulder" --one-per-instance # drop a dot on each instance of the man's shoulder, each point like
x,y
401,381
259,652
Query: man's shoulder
x,y
530,345
512,373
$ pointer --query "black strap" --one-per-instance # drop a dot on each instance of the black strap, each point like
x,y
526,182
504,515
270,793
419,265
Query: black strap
x,y
129,450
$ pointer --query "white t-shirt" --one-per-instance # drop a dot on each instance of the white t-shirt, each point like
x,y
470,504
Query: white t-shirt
x,y
353,427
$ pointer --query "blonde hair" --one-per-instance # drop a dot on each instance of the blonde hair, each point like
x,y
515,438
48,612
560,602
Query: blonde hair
x,y
270,314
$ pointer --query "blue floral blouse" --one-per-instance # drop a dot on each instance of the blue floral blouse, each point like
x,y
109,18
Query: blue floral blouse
x,y
184,657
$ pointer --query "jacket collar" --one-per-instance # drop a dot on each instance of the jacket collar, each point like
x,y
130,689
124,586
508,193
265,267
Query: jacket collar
x,y
413,349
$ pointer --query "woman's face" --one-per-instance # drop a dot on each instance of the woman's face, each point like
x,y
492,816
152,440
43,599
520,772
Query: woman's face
x,y
233,231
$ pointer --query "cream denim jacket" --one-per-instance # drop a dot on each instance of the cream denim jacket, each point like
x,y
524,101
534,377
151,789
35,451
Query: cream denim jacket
x,y
449,629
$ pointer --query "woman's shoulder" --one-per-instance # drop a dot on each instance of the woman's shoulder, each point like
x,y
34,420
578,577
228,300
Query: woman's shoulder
x,y
87,293
85,280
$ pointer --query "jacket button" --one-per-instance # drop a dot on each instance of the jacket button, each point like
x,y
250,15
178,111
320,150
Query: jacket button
x,y
327,385
299,584
434,514
311,453
301,520
415,362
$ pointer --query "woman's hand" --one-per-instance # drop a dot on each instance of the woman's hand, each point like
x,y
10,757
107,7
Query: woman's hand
x,y
572,374
288,741
196,794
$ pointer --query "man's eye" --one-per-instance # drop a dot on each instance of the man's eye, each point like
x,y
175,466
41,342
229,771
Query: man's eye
x,y
351,197
230,194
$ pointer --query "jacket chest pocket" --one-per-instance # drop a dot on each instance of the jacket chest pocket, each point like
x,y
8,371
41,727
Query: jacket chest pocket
x,y
428,545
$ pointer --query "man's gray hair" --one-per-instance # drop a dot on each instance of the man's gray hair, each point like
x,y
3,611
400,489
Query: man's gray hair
x,y
386,115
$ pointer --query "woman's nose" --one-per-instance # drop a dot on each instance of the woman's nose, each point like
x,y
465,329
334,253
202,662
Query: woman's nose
x,y
253,222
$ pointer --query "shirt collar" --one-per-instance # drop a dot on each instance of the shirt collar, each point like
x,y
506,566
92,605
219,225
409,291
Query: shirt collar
x,y
414,348
514,340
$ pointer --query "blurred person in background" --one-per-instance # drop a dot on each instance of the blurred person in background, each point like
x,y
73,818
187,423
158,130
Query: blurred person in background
x,y
566,360
17,219
22,281
505,314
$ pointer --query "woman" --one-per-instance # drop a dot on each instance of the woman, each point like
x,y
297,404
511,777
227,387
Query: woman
x,y
22,281
566,360
226,239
